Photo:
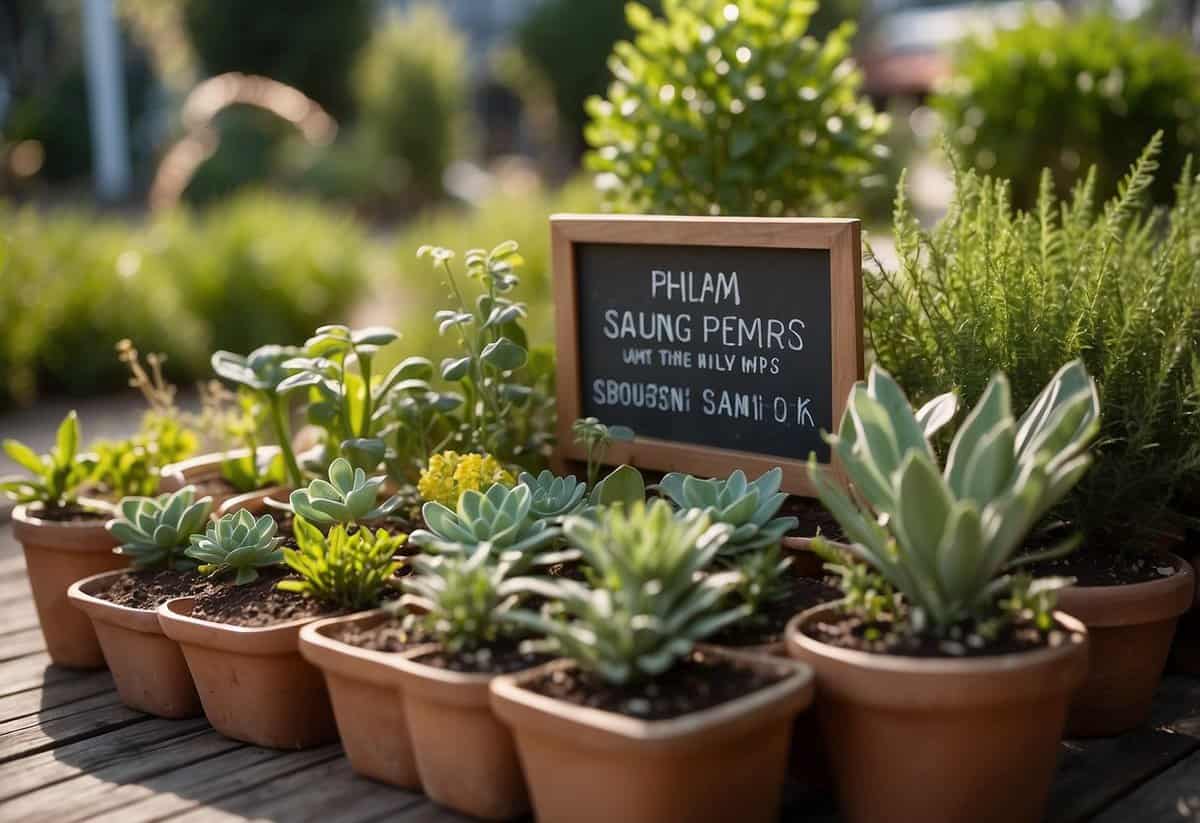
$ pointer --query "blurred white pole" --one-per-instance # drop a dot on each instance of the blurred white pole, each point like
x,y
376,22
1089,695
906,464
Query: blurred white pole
x,y
106,100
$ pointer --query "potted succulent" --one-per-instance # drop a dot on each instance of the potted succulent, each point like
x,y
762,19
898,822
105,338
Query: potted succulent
x,y
63,538
1103,287
241,640
638,723
148,668
965,672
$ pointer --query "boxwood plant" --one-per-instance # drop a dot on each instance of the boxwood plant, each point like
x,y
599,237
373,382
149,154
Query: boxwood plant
x,y
947,539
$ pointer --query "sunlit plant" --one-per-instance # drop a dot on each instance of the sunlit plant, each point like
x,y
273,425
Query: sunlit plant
x,y
238,543
54,478
450,474
596,437
349,496
155,532
348,570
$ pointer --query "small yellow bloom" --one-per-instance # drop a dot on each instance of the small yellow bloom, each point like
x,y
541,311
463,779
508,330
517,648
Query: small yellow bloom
x,y
449,474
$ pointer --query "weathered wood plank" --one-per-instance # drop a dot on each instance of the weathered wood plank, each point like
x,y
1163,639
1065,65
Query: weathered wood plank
x,y
121,753
63,725
21,644
1172,795
207,783
32,701
327,791
32,672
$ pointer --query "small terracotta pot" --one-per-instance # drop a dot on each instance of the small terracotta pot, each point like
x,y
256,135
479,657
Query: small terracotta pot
x,y
56,555
805,561
1130,630
722,763
465,756
972,740
255,502
147,666
253,683
202,469
365,688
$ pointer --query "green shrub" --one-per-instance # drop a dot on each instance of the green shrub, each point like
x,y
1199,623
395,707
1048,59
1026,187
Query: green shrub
x,y
309,44
411,89
993,288
726,108
1071,94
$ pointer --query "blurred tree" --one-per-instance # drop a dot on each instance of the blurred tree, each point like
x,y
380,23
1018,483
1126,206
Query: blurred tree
x,y
309,44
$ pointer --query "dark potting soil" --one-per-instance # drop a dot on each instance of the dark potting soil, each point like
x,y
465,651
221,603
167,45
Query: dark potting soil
x,y
504,657
259,603
1100,568
150,589
768,625
388,636
698,683
814,519
850,632
73,513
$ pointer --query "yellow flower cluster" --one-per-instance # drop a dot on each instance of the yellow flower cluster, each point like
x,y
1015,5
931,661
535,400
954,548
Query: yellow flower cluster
x,y
449,474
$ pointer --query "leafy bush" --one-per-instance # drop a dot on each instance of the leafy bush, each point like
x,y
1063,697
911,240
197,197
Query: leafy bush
x,y
311,44
992,288
725,108
411,89
1070,94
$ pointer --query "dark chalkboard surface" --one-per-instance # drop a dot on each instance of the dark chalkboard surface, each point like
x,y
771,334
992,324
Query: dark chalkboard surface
x,y
724,347
723,343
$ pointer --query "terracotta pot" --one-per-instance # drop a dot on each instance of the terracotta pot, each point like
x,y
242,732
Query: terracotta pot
x,y
806,562
56,555
365,688
465,756
1130,630
147,666
253,683
722,763
203,469
972,740
255,502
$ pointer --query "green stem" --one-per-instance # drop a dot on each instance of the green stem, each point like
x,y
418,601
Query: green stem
x,y
364,366
283,433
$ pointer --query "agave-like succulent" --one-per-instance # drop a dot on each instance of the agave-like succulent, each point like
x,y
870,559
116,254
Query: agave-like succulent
x,y
651,603
237,542
746,506
500,517
554,497
155,531
349,496
945,539
348,570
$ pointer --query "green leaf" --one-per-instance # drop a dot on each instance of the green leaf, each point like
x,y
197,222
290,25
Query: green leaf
x,y
624,485
993,407
504,354
455,368
25,457
67,439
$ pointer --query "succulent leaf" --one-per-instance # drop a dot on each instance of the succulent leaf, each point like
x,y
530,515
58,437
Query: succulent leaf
x,y
155,531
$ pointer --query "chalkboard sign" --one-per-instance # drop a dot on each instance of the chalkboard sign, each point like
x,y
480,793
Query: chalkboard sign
x,y
722,342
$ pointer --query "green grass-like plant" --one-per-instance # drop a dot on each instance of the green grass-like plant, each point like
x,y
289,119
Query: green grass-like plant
x,y
947,539
54,478
156,531
347,569
238,543
993,288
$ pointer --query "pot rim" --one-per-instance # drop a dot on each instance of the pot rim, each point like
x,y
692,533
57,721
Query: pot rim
x,y
1130,604
177,623
209,459
253,500
983,665
66,535
330,654
81,594
796,688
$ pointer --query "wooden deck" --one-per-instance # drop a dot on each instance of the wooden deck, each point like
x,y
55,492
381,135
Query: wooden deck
x,y
70,751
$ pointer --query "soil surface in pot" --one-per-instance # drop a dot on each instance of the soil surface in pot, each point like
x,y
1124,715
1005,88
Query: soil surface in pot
x,y
852,632
814,519
388,636
503,657
692,685
72,513
1100,568
767,626
150,589
259,603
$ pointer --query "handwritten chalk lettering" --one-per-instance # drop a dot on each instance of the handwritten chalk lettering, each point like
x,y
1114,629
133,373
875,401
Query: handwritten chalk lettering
x,y
739,332
676,358
715,362
637,357
687,287
731,404
653,327
655,396
782,410
761,365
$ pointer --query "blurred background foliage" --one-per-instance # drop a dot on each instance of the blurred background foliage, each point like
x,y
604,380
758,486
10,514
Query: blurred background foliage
x,y
462,123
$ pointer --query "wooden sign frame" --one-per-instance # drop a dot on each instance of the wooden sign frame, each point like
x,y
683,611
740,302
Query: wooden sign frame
x,y
841,237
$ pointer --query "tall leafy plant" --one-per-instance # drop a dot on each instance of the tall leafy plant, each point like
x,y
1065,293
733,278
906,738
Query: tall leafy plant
x,y
992,287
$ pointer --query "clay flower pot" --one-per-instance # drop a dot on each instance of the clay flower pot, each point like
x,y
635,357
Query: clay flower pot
x,y
255,502
365,688
465,756
203,470
1130,630
147,666
56,555
723,763
253,683
804,559
971,740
